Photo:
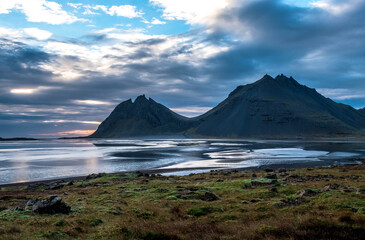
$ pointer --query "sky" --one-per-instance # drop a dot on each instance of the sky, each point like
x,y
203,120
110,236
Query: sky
x,y
65,64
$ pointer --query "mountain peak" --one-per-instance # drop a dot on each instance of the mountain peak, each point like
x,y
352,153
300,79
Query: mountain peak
x,y
282,77
266,77
141,99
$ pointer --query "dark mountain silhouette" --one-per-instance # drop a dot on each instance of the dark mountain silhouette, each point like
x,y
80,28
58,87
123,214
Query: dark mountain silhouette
x,y
271,107
141,118
362,111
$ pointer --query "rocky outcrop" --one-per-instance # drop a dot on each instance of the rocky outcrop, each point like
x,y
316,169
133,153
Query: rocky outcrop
x,y
53,205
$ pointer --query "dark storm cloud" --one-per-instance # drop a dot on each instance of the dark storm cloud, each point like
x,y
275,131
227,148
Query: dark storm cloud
x,y
19,63
284,36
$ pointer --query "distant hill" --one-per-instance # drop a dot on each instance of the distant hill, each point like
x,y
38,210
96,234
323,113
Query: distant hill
x,y
271,108
18,139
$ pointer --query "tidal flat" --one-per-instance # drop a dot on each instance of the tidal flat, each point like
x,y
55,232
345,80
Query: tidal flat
x,y
304,203
26,161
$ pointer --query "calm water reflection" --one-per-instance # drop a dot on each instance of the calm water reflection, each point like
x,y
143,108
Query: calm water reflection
x,y
46,159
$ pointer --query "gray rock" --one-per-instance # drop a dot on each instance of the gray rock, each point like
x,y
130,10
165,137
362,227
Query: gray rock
x,y
209,197
18,208
53,205
263,183
31,202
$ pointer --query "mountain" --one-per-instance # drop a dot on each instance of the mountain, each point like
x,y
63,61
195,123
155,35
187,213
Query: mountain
x,y
362,111
278,107
141,118
271,108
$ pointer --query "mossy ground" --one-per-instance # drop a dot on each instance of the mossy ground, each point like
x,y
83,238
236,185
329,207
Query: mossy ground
x,y
131,207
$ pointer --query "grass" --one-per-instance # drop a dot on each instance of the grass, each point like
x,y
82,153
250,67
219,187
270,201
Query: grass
x,y
132,207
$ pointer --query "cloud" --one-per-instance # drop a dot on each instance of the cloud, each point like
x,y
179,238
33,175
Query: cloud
x,y
336,6
191,111
127,11
39,11
72,121
192,11
91,102
75,5
38,33
156,21
124,11
341,93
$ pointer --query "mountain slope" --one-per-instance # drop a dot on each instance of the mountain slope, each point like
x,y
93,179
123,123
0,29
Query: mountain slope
x,y
271,108
141,118
277,107
362,111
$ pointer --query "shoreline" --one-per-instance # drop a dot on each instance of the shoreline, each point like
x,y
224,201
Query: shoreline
x,y
176,170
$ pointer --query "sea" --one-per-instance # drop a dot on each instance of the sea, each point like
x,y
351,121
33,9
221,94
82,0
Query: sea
x,y
24,161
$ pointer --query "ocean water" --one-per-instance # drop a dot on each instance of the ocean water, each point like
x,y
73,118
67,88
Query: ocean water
x,y
22,161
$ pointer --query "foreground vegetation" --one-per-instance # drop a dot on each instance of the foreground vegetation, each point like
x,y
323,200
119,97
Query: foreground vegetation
x,y
320,203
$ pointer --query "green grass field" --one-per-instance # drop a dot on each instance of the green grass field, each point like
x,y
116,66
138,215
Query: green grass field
x,y
187,207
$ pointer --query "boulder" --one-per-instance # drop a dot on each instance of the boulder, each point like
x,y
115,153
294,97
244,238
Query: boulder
x,y
53,205
208,196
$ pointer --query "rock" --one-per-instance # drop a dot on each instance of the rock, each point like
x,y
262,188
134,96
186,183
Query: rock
x,y
208,196
273,189
330,187
308,193
70,183
139,174
186,192
361,191
52,205
289,202
269,170
282,170
18,208
263,183
246,186
94,175
220,180
254,175
54,186
35,186
31,202
271,176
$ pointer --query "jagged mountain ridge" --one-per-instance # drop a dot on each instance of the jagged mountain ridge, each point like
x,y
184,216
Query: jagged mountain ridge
x,y
270,107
